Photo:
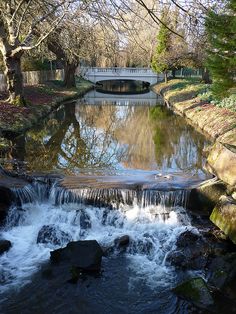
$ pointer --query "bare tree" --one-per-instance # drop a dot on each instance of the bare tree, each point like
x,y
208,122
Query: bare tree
x,y
21,22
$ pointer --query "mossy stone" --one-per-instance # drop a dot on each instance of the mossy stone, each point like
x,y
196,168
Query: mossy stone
x,y
224,217
196,291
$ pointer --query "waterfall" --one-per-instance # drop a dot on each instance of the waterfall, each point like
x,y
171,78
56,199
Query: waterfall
x,y
47,216
114,197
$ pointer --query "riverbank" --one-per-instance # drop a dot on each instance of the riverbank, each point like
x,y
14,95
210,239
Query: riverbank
x,y
188,99
41,99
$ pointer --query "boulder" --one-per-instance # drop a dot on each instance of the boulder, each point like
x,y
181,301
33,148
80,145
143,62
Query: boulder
x,y
52,234
85,256
191,251
189,258
187,238
203,199
4,246
122,241
224,217
222,270
6,200
222,162
195,291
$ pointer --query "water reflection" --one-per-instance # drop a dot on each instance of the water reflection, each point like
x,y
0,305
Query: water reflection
x,y
85,138
96,97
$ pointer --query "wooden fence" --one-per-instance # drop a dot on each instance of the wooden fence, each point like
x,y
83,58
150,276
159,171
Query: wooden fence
x,y
35,77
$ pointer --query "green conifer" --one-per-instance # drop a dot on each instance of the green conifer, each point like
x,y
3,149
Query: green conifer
x,y
221,60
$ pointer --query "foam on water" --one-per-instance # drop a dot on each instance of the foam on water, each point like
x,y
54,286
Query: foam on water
x,y
152,228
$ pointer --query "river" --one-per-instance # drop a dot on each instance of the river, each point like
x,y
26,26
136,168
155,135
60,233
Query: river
x,y
111,141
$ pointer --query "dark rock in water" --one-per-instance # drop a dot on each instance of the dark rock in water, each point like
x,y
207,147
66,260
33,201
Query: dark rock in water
x,y
122,241
187,238
6,200
81,255
203,199
194,251
196,291
4,246
85,222
191,253
188,259
222,270
52,234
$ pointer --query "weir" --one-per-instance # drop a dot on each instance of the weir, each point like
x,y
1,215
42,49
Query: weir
x,y
112,194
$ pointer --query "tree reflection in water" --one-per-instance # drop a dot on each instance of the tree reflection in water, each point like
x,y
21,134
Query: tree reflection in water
x,y
80,137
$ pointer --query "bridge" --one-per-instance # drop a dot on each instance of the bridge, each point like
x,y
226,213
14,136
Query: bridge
x,y
96,98
137,74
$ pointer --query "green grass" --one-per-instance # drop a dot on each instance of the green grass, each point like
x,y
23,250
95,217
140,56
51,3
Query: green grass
x,y
178,90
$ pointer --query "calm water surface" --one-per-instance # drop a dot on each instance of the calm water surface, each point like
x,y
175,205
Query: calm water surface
x,y
104,138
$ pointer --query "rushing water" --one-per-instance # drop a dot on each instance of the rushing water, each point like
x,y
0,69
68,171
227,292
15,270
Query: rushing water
x,y
100,138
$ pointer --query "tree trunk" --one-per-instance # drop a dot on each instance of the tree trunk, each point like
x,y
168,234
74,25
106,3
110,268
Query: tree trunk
x,y
69,77
14,79
173,73
165,76
206,76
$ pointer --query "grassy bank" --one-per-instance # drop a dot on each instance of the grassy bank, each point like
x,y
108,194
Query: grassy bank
x,y
192,99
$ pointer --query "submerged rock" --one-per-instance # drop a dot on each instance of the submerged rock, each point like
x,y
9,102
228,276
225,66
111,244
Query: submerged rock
x,y
52,234
85,222
4,246
196,291
122,241
81,255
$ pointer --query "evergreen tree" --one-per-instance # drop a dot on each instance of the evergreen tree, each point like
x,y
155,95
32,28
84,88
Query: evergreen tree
x,y
171,50
159,61
221,60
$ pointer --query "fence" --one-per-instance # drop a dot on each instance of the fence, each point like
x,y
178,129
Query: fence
x,y
35,77
188,72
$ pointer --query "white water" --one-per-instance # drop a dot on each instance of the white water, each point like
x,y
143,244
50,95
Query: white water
x,y
153,230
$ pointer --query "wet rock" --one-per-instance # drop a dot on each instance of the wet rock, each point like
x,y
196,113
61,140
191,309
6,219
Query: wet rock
x,y
84,256
222,162
122,241
191,253
196,291
85,222
224,217
6,200
187,238
195,251
222,270
202,200
4,246
53,235
187,259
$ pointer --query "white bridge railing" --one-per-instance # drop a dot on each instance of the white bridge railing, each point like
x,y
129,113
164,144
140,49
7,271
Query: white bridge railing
x,y
142,74
115,70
